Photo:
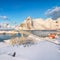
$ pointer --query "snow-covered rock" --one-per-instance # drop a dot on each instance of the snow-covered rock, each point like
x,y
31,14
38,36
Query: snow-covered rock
x,y
41,24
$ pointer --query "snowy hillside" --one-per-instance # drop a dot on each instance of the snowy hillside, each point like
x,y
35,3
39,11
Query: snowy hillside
x,y
43,50
40,24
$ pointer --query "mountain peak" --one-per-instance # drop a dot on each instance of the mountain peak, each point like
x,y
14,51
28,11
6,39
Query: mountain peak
x,y
28,18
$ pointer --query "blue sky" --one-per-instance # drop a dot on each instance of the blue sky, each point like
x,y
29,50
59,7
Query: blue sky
x,y
18,10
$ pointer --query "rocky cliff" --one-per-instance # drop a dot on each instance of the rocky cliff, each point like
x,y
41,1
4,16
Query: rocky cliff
x,y
40,24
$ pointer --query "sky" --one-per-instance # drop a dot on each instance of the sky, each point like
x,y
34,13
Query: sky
x,y
16,11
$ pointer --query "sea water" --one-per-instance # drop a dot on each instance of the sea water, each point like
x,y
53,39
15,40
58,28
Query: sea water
x,y
40,33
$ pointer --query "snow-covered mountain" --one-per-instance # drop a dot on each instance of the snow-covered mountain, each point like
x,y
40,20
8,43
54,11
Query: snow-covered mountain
x,y
40,24
35,24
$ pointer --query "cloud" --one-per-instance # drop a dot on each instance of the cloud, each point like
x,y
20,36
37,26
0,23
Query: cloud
x,y
4,17
54,13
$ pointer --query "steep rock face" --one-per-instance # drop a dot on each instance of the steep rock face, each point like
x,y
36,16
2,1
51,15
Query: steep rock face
x,y
27,24
41,24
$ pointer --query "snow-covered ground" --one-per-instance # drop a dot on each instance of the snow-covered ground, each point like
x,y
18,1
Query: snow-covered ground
x,y
44,50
